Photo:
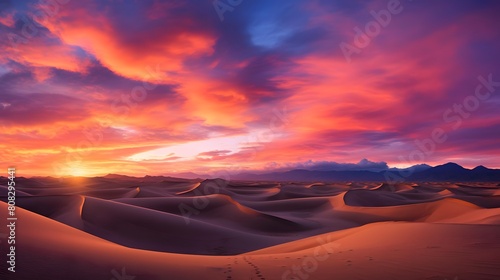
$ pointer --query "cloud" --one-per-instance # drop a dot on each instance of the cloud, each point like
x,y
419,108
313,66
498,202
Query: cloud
x,y
72,78
40,109
213,155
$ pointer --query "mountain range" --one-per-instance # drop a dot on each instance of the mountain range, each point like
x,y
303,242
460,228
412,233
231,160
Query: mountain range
x,y
446,172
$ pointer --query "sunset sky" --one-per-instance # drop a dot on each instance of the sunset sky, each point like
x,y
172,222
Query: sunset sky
x,y
160,87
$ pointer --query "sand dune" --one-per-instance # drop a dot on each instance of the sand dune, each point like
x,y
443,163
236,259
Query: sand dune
x,y
167,228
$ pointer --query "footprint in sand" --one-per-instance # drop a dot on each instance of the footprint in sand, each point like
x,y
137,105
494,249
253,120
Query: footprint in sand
x,y
256,269
229,271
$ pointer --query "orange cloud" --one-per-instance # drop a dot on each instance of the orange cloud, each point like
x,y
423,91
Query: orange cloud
x,y
132,57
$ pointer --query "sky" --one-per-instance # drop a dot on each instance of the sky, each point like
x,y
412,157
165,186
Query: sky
x,y
161,87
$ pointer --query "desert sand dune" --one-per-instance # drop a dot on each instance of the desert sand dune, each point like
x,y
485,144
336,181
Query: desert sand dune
x,y
251,230
378,251
4,190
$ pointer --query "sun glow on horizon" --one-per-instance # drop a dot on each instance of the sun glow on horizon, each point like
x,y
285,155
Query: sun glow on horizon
x,y
78,170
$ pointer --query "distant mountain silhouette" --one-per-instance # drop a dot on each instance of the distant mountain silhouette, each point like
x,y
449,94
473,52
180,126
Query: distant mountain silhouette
x,y
446,172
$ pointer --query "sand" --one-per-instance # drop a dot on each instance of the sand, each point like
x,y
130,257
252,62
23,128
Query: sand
x,y
134,228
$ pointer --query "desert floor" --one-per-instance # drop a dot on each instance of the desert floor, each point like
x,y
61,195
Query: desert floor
x,y
126,228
